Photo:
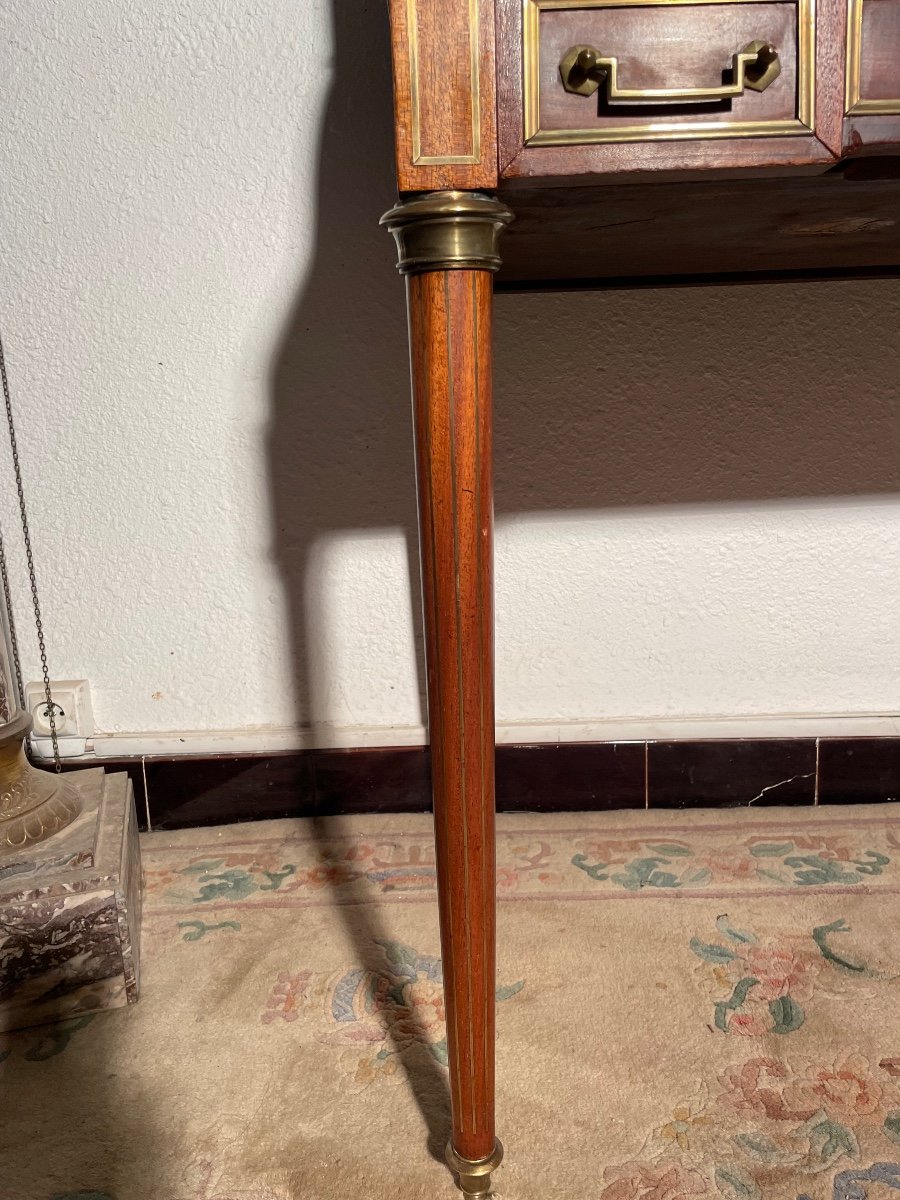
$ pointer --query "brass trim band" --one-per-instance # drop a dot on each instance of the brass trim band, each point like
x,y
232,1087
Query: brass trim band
x,y
475,1177
445,231
800,124
474,92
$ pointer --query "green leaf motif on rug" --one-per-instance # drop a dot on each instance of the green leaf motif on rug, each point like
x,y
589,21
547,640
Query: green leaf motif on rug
x,y
735,1000
817,869
735,1184
735,935
758,1145
822,932
399,954
647,871
771,849
710,952
509,990
787,1013
594,870
276,878
892,1126
234,883
196,930
811,870
829,1141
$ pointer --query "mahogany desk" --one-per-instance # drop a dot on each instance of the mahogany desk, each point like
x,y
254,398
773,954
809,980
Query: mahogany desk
x,y
621,141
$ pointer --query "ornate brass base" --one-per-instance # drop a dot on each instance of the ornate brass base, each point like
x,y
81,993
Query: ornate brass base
x,y
475,1177
33,804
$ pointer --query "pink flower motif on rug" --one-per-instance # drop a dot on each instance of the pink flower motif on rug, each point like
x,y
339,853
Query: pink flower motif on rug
x,y
779,970
383,1013
846,1089
287,994
812,1128
762,986
773,1120
653,1181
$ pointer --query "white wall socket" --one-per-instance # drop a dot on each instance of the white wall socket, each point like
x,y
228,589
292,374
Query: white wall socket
x,y
72,713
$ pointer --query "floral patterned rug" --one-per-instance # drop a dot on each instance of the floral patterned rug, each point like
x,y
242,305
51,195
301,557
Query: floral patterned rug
x,y
690,1004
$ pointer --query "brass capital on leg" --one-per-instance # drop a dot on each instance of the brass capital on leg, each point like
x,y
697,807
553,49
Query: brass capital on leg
x,y
442,231
475,1177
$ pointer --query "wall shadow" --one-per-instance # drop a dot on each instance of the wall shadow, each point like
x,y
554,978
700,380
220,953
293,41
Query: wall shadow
x,y
610,401
339,410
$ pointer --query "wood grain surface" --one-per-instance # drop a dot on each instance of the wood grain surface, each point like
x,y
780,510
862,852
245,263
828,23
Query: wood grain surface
x,y
879,80
553,165
659,46
444,94
879,75
450,349
754,226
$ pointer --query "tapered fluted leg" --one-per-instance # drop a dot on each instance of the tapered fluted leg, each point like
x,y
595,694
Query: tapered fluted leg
x,y
450,348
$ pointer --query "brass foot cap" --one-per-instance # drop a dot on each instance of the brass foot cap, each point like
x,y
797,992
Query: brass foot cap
x,y
475,1175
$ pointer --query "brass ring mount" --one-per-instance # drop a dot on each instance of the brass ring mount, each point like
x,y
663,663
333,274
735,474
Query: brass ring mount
x,y
475,1176
441,231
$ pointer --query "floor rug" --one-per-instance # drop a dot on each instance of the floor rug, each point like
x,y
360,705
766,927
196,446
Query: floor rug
x,y
690,1004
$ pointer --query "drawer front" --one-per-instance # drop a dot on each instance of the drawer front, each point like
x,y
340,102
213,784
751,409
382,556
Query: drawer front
x,y
873,58
668,70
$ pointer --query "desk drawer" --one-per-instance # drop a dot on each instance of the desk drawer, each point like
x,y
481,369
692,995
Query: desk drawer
x,y
665,70
873,73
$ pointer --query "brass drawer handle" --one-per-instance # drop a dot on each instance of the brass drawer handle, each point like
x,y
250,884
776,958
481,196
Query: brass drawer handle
x,y
584,70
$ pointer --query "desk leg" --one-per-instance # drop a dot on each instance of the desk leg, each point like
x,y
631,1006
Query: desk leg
x,y
450,349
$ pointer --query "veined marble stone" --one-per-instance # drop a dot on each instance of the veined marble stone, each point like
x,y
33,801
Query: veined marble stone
x,y
70,912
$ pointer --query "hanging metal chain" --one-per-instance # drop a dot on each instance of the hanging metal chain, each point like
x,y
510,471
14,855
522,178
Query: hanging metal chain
x,y
26,537
11,625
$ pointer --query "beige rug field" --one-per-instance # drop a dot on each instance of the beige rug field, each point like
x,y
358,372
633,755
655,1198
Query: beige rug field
x,y
689,1005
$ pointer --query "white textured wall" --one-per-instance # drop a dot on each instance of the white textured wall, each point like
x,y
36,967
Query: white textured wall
x,y
206,343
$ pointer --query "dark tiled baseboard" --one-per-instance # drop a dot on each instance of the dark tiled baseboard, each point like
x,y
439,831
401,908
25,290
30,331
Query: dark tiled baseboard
x,y
182,792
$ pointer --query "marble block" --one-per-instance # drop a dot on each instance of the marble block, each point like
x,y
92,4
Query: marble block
x,y
70,912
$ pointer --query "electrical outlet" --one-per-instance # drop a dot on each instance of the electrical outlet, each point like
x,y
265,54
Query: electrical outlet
x,y
71,709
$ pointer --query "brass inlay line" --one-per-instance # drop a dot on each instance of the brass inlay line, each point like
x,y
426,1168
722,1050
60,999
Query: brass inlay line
x,y
487,896
439,768
655,131
474,92
451,413
854,103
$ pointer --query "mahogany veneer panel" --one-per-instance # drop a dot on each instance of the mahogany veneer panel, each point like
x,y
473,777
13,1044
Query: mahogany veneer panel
x,y
879,75
660,46
444,97
873,75
522,158
572,235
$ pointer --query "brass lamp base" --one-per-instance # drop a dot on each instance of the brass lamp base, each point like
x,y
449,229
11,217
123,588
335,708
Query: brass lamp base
x,y
34,804
475,1176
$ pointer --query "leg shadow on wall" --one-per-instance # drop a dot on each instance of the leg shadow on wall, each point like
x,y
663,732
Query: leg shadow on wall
x,y
340,455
